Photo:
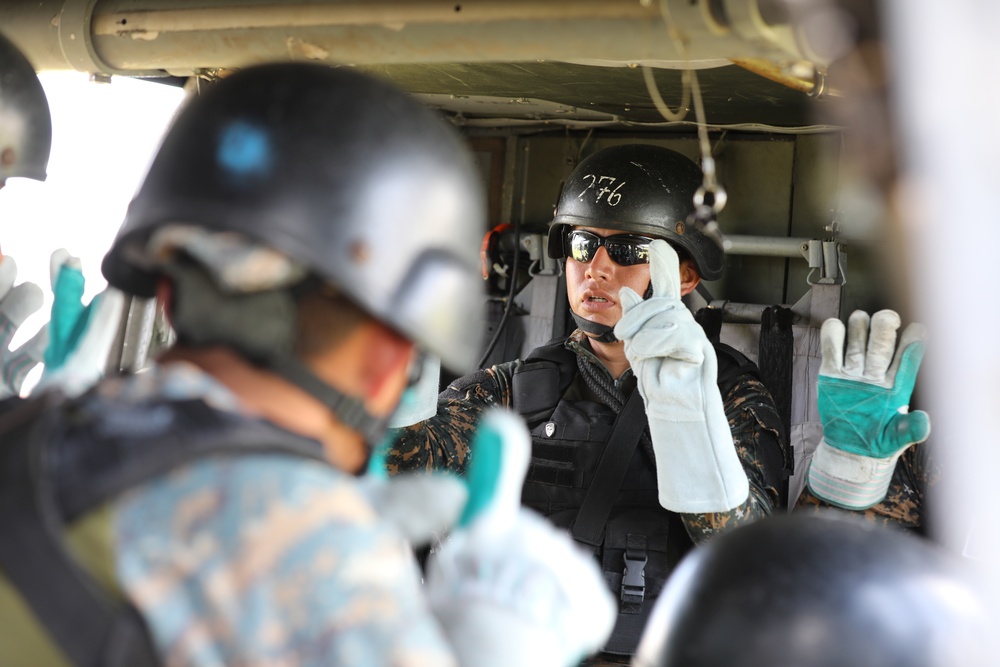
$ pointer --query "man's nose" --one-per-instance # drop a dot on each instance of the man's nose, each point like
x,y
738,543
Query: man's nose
x,y
601,267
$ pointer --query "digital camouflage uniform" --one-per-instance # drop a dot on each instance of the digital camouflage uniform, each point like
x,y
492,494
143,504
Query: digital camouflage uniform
x,y
903,505
253,559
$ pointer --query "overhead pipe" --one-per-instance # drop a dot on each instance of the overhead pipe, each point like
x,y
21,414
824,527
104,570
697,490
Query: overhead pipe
x,y
155,37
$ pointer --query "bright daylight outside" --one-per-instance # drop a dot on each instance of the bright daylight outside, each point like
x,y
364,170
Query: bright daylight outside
x,y
103,137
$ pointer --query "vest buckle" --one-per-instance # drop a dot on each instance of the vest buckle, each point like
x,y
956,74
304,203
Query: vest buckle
x,y
634,580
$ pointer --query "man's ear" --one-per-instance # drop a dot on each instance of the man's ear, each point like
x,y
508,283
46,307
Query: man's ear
x,y
689,276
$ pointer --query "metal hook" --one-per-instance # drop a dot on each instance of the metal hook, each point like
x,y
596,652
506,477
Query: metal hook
x,y
717,192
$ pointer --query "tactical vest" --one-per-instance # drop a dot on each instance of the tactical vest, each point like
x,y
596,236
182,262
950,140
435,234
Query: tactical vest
x,y
642,542
61,462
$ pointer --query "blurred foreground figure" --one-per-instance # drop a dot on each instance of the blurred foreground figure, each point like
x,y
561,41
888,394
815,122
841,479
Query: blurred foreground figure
x,y
310,231
818,590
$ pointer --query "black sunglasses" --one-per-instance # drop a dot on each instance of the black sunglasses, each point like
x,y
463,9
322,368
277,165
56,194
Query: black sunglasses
x,y
623,249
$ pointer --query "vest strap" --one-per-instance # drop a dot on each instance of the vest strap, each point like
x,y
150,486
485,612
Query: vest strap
x,y
89,627
596,508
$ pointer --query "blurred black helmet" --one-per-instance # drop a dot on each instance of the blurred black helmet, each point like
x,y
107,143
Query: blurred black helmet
x,y
817,590
338,171
25,123
637,188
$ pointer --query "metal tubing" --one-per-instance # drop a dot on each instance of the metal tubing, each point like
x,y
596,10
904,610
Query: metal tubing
x,y
765,246
123,36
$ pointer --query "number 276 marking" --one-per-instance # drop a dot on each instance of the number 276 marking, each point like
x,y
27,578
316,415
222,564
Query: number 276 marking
x,y
603,187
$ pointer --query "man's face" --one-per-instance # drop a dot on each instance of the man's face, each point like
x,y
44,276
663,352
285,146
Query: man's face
x,y
593,287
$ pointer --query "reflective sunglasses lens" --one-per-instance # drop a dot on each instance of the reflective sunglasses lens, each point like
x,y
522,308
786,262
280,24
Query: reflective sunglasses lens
x,y
583,246
628,252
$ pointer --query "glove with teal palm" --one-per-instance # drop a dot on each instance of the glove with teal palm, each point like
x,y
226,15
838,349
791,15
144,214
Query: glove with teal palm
x,y
80,337
508,587
697,467
17,303
864,396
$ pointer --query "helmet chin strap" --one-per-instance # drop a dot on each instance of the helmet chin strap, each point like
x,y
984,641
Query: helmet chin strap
x,y
602,333
349,410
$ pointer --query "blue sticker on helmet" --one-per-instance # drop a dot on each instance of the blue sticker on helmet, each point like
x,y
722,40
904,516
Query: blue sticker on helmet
x,y
245,150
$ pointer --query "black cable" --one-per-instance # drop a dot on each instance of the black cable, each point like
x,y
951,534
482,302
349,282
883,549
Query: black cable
x,y
510,295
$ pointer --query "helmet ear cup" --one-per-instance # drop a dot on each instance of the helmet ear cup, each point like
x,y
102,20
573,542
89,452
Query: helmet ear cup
x,y
260,325
26,129
639,188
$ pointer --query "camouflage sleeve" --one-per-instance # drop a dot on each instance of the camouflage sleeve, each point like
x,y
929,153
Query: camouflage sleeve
x,y
903,505
442,442
271,560
757,435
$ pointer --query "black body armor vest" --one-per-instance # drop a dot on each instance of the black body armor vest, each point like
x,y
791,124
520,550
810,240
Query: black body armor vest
x,y
642,542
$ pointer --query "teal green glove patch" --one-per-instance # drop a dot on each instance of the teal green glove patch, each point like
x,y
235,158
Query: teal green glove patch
x,y
864,391
483,474
376,463
70,317
865,419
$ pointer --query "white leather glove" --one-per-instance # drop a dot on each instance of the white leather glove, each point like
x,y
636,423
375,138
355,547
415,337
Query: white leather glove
x,y
420,505
16,305
79,337
864,398
508,587
697,468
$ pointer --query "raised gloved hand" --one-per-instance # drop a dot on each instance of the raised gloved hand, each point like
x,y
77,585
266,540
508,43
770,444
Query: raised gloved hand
x,y
80,337
508,587
863,404
16,305
697,468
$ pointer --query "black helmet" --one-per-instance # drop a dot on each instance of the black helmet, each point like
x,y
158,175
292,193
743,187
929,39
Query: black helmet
x,y
25,123
817,590
338,171
637,188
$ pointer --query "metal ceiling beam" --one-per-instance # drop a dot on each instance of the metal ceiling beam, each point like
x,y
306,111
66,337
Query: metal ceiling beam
x,y
158,37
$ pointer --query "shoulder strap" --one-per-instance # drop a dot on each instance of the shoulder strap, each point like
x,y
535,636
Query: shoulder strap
x,y
596,508
105,463
775,352
90,627
732,364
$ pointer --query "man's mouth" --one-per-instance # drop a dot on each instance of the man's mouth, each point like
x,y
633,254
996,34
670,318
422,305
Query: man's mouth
x,y
597,298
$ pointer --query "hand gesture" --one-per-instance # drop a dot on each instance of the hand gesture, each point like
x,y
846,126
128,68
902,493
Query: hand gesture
x,y
80,336
864,391
697,468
